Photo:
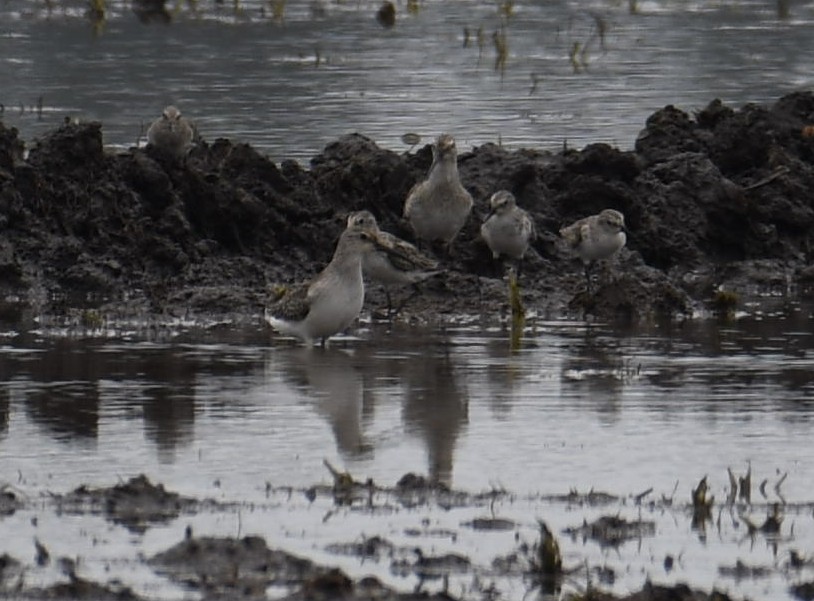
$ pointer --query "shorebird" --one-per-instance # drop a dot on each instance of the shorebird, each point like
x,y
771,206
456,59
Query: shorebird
x,y
596,237
171,134
405,266
508,229
333,299
437,207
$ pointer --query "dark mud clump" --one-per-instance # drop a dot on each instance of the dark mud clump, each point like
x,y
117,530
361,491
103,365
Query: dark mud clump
x,y
9,501
224,564
717,199
79,588
135,504
612,531
227,568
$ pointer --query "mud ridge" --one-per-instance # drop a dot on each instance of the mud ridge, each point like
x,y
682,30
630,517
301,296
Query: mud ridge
x,y
715,201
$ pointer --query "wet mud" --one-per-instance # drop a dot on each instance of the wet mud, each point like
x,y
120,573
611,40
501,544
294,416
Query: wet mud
x,y
245,567
718,205
135,504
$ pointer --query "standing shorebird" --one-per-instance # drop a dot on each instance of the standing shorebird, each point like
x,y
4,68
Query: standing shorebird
x,y
508,229
333,299
438,207
596,238
171,134
405,266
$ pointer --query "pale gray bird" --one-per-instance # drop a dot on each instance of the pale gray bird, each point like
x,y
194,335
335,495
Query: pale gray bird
x,y
437,208
596,237
508,229
405,266
171,134
330,302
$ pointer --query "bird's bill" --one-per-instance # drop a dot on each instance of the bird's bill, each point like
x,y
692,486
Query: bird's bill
x,y
384,245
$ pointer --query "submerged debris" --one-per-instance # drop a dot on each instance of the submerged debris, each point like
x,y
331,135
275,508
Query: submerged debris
x,y
82,589
612,531
772,523
740,571
431,566
592,498
490,523
804,591
346,490
11,572
373,547
9,503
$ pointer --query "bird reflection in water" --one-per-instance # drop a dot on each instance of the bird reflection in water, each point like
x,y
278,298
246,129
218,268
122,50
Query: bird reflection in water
x,y
67,402
336,383
169,402
436,407
596,370
342,385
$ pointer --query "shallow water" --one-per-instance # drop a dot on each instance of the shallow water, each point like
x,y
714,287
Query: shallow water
x,y
290,87
222,413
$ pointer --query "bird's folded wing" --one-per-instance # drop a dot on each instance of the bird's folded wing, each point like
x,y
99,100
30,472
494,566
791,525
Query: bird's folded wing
x,y
293,305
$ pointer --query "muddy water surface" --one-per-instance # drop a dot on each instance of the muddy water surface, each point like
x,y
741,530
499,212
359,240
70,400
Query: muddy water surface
x,y
573,72
220,412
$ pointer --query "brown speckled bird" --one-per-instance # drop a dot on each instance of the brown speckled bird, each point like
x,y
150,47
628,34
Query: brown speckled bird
x,y
596,237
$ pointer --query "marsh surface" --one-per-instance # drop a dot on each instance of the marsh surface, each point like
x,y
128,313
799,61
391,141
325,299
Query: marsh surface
x,y
241,422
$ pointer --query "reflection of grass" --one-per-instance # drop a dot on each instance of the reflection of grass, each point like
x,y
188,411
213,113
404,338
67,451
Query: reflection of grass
x,y
277,10
501,49
578,52
724,303
96,14
782,9
96,10
574,57
193,6
505,8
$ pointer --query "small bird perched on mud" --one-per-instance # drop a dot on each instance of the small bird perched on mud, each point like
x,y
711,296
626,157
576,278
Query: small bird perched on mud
x,y
596,237
406,266
333,299
508,229
437,208
171,134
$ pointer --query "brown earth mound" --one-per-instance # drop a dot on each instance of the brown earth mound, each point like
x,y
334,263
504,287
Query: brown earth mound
x,y
719,199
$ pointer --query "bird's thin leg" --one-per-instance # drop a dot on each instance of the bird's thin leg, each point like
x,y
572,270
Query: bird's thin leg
x,y
415,292
389,304
588,276
519,267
